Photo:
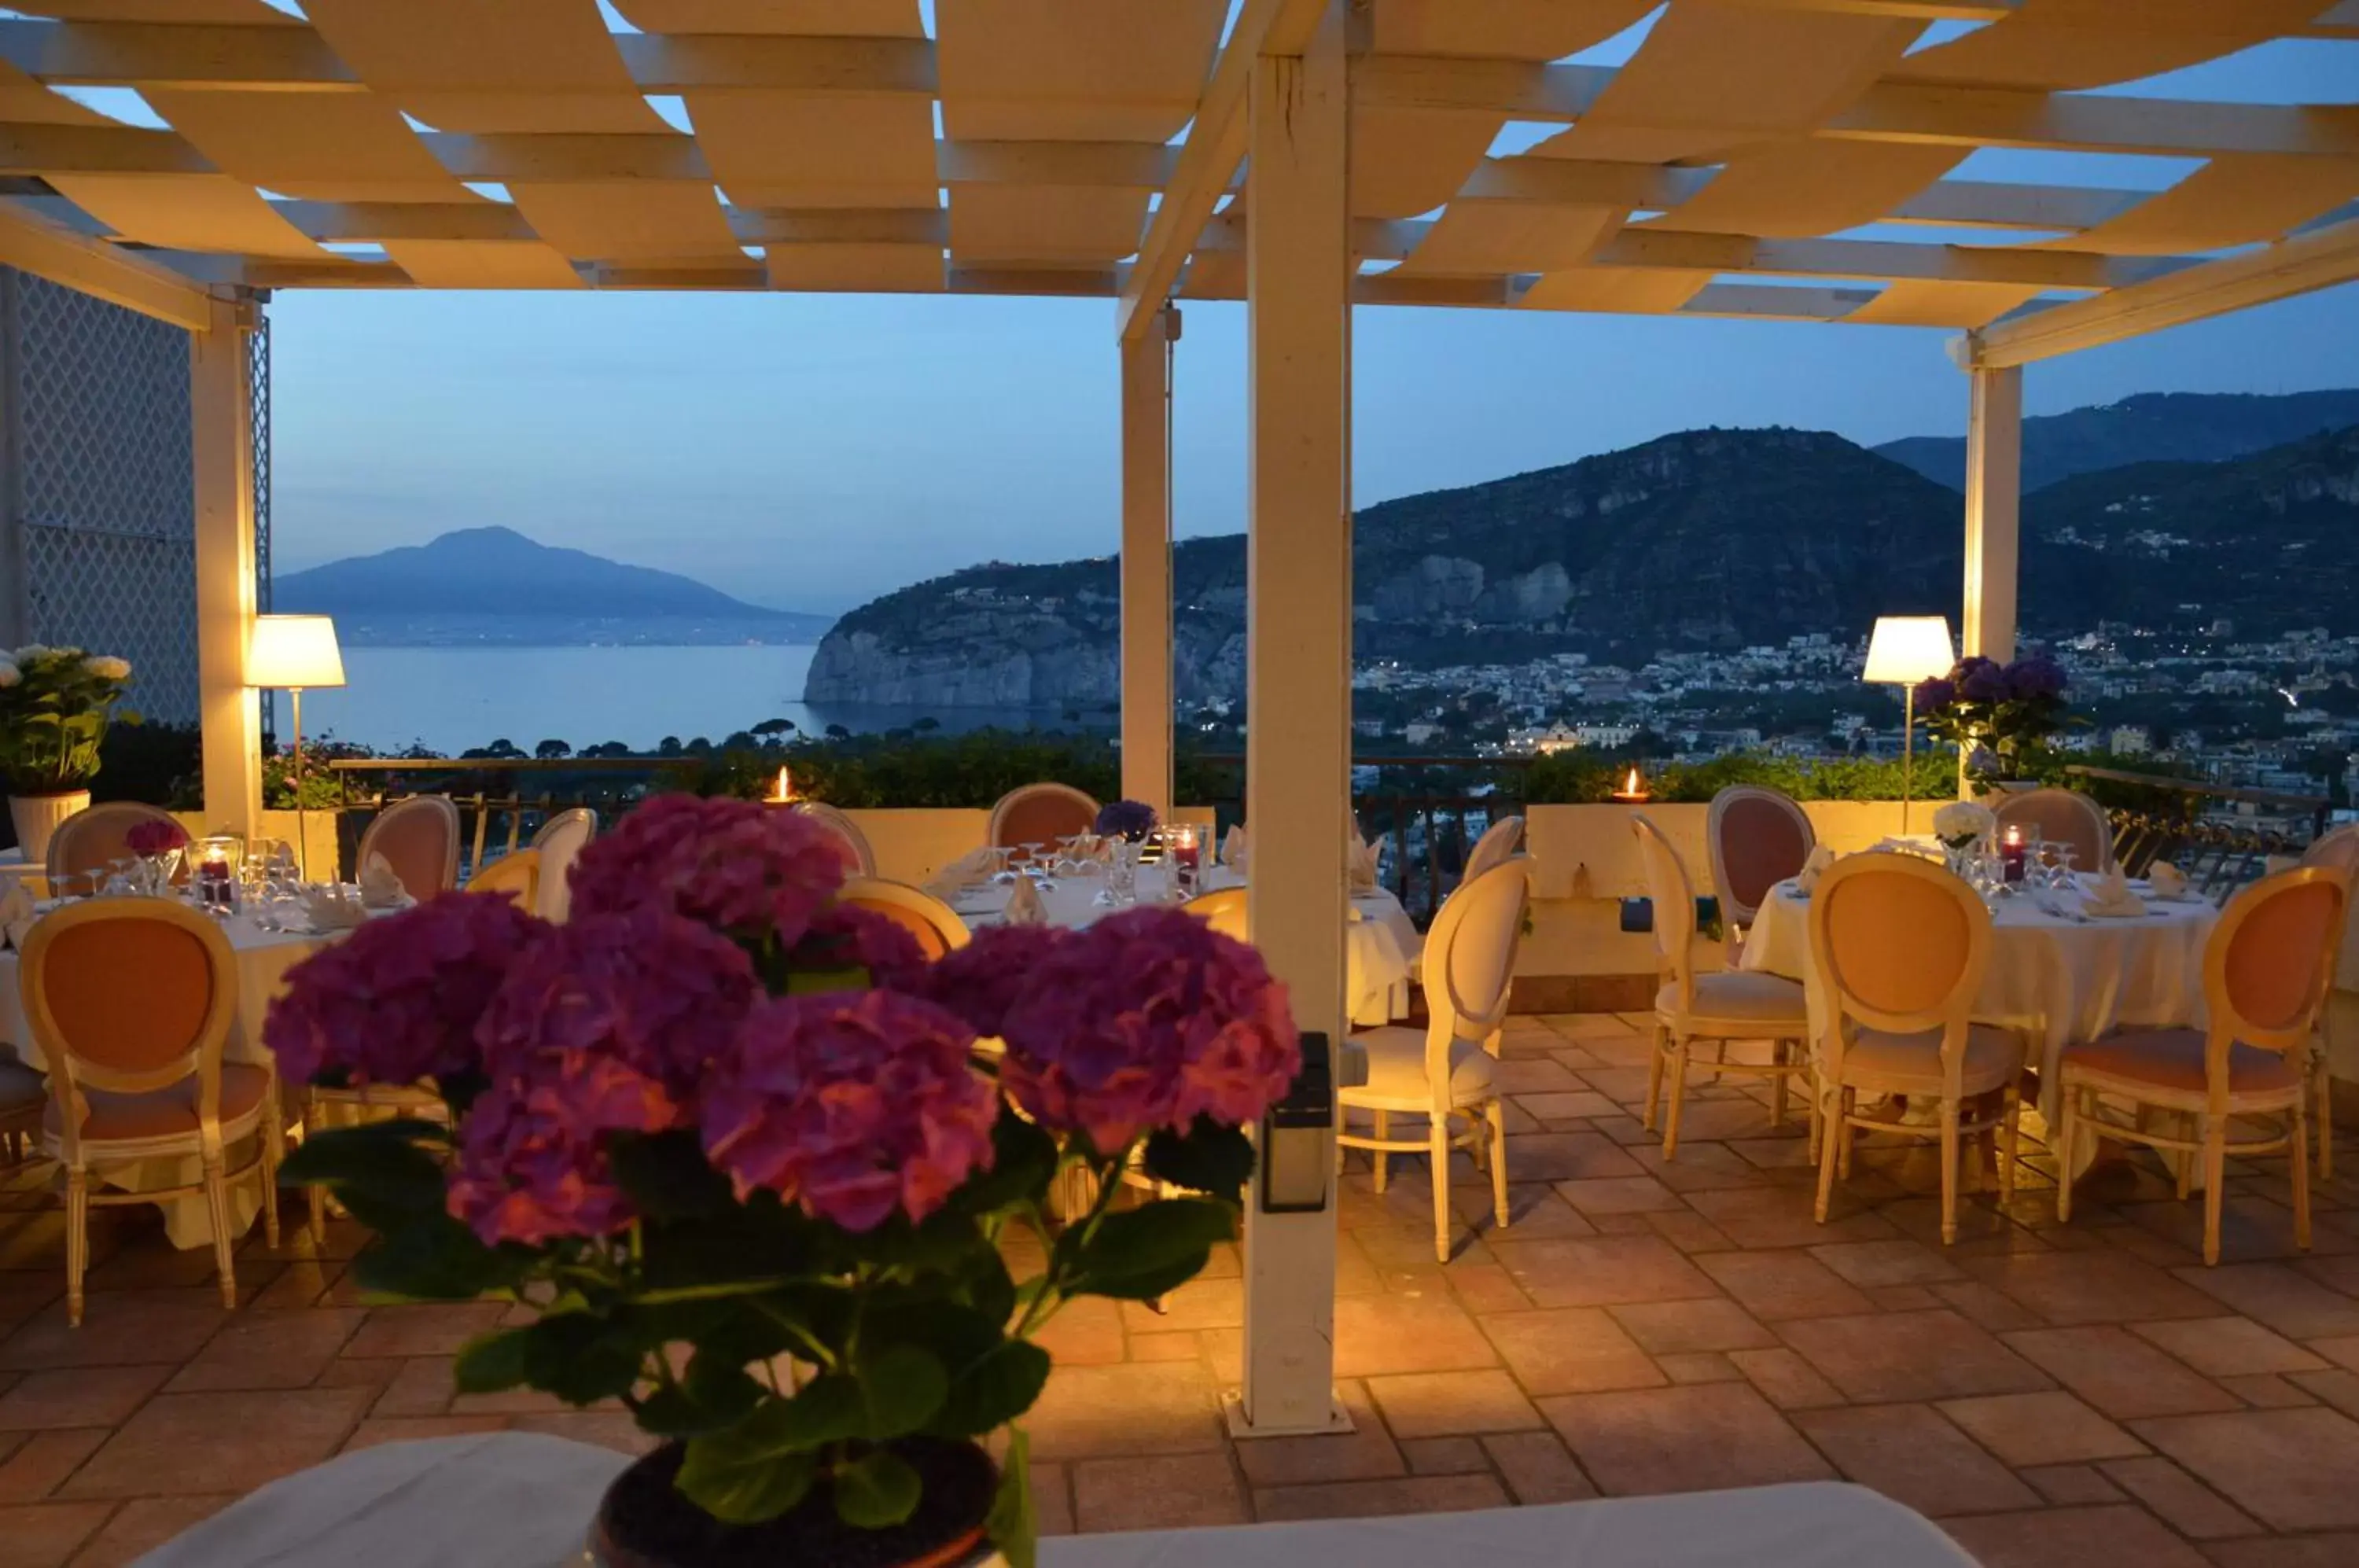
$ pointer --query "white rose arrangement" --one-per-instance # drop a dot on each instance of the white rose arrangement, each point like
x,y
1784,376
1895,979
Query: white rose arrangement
x,y
1961,823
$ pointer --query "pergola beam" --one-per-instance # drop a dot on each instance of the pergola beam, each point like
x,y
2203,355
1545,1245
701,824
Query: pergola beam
x,y
1208,160
105,271
2313,259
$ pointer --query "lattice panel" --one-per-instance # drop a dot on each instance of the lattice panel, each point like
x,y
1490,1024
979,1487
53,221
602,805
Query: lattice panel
x,y
105,488
130,595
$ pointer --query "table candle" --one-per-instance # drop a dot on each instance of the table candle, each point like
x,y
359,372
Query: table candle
x,y
2012,851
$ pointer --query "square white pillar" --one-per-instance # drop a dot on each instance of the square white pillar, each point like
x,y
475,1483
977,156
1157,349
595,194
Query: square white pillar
x,y
221,412
1994,504
1298,270
1146,563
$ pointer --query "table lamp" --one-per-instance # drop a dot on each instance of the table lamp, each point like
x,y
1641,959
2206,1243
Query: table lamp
x,y
291,652
1902,651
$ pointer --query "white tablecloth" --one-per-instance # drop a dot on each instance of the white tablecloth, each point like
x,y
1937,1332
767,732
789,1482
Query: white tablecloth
x,y
2064,980
263,959
1380,944
521,1500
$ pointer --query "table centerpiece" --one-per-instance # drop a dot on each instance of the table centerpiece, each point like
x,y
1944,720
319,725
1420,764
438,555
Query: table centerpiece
x,y
757,1169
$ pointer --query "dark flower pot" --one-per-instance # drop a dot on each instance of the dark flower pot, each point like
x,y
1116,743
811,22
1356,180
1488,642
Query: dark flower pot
x,y
644,1521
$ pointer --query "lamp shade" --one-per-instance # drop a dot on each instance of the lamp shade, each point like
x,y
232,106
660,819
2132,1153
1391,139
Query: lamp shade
x,y
293,651
1906,650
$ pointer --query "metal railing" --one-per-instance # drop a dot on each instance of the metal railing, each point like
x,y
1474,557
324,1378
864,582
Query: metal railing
x,y
2156,817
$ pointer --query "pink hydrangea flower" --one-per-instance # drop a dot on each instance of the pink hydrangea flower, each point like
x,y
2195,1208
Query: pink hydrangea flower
x,y
532,1163
399,1000
981,980
845,936
1147,1019
737,866
854,1105
653,990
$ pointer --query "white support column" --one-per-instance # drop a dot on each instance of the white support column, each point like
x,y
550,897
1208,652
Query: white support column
x,y
1994,500
220,412
1146,563
1299,661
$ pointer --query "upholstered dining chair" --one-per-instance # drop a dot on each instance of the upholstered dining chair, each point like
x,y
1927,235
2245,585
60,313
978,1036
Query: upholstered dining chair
x,y
937,926
2337,849
1757,837
2062,816
419,839
136,1072
1223,909
91,839
1446,1073
859,859
1039,813
1499,840
560,841
1901,946
516,874
1733,1005
2267,967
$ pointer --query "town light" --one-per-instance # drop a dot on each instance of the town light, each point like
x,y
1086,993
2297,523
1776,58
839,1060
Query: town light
x,y
1902,651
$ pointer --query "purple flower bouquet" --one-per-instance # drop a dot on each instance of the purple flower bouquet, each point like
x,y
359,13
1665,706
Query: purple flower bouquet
x,y
1132,820
749,1159
1999,712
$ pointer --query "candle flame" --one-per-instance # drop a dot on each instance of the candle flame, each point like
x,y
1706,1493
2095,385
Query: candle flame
x,y
1633,785
785,789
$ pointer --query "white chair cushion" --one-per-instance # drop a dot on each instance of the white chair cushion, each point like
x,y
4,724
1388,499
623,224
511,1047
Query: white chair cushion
x,y
1740,996
1911,1063
2172,1060
1396,1059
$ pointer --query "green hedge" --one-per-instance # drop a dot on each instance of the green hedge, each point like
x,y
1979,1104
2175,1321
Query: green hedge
x,y
1576,778
973,770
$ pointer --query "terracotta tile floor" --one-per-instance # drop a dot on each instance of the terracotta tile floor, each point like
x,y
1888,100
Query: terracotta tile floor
x,y
2051,1395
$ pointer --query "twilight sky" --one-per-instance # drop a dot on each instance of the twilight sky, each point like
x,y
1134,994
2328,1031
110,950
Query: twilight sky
x,y
812,451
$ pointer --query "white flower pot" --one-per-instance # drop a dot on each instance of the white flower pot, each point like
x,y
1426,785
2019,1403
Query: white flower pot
x,y
38,816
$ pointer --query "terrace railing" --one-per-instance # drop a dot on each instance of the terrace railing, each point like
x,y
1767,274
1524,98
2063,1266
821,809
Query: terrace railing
x,y
2222,835
502,800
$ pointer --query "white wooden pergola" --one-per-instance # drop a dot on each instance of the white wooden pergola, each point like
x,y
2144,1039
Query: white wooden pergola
x,y
1303,155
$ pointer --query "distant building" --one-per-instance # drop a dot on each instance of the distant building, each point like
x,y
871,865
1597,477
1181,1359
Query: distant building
x,y
2131,740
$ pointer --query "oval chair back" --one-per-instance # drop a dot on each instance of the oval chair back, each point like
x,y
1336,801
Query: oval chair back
x,y
1672,894
2063,816
2338,848
1900,946
1498,842
516,874
560,841
937,926
2268,965
859,859
419,839
1758,838
1223,909
1470,966
93,839
1039,813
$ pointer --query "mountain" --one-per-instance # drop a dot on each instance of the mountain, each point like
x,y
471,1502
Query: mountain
x,y
496,584
2269,543
1705,540
2198,427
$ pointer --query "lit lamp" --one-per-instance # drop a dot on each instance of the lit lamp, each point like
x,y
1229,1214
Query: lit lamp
x,y
289,653
1902,651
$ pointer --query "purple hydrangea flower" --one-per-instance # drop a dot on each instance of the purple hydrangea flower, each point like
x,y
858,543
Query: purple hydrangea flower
x,y
1147,1019
1133,819
1934,695
854,1105
532,1163
737,866
2039,676
849,937
981,980
1980,679
399,999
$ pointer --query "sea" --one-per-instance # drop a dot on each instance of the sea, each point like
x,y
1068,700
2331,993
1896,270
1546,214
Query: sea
x,y
451,698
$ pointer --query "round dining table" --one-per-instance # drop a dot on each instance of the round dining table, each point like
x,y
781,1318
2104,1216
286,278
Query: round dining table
x,y
2058,975
1382,944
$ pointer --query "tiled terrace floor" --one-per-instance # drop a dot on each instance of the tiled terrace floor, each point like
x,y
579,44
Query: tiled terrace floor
x,y
2052,1396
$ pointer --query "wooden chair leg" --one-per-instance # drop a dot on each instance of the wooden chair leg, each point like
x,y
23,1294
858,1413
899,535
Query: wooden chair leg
x,y
2010,1116
1779,1054
77,1242
1384,1127
2215,1176
2325,1093
2186,1178
1655,1076
1948,1171
1495,1114
217,1205
1816,1092
1830,1141
1846,1132
1680,1046
2300,1169
274,1154
1437,1139
2066,1126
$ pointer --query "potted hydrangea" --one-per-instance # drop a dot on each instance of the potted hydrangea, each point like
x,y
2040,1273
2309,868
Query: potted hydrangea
x,y
1997,715
56,704
754,1167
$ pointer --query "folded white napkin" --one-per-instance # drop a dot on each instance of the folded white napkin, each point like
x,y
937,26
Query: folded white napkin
x,y
1806,880
1234,849
2168,880
2110,895
380,888
960,874
1360,863
332,908
16,914
1023,906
